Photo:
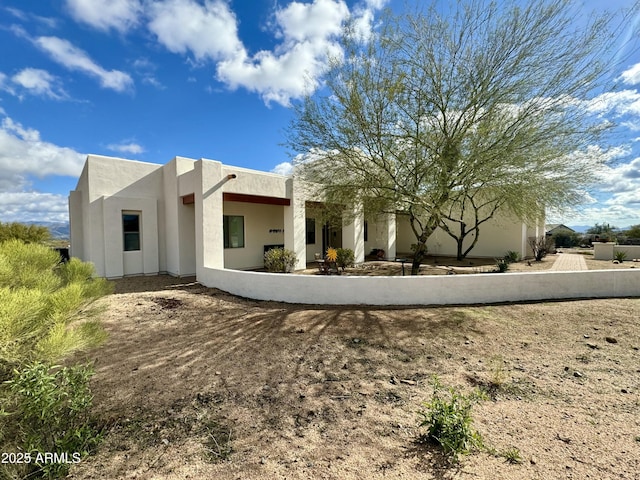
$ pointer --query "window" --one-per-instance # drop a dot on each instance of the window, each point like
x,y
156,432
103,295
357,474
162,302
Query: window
x,y
233,226
131,231
366,231
311,231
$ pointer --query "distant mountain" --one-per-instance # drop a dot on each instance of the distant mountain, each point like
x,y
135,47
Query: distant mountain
x,y
59,230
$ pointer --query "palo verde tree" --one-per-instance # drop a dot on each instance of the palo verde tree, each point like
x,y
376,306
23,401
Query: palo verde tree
x,y
26,233
479,100
462,220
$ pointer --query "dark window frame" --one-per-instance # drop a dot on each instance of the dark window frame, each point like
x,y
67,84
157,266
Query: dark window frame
x,y
310,233
131,231
226,227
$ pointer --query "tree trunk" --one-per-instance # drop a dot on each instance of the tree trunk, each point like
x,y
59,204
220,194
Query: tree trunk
x,y
419,254
460,240
422,235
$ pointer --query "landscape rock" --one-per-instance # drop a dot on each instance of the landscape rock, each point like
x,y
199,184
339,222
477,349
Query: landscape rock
x,y
611,340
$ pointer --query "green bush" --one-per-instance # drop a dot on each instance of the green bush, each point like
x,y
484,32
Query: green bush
x,y
512,257
620,256
448,420
49,412
280,260
502,265
346,258
26,233
44,314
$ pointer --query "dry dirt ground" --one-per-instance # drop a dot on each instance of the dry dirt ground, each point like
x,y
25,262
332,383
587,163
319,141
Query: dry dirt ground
x,y
196,383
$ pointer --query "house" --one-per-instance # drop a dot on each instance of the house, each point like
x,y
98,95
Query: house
x,y
555,228
136,218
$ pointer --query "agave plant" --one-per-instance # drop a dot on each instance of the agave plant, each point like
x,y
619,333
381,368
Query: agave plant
x,y
332,254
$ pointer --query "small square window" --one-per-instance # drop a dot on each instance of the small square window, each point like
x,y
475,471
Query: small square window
x,y
131,231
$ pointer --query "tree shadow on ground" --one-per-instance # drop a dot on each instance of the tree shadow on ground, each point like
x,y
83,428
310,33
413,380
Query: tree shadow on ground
x,y
430,458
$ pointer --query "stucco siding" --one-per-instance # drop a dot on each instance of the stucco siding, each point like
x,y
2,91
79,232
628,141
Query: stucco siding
x,y
110,176
250,182
263,225
117,261
316,247
497,236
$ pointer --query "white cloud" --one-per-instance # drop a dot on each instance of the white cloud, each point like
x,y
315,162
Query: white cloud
x,y
33,206
208,31
5,85
121,15
308,35
631,76
39,82
27,16
125,147
74,58
624,102
146,70
284,168
23,154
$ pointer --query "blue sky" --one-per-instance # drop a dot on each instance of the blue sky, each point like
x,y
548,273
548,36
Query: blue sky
x,y
152,79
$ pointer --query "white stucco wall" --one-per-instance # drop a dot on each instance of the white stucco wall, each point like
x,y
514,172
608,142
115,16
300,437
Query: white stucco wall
x,y
263,225
497,236
252,182
118,262
106,187
607,251
425,290
382,235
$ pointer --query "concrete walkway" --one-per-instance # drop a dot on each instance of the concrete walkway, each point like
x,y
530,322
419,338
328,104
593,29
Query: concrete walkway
x,y
569,262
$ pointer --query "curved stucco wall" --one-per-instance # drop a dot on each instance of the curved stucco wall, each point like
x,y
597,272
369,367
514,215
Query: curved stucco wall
x,y
424,290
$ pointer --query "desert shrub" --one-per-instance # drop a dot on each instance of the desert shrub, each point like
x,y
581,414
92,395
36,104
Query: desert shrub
x,y
45,315
566,239
512,256
345,258
448,419
25,233
540,246
512,456
44,306
48,408
280,260
620,256
502,265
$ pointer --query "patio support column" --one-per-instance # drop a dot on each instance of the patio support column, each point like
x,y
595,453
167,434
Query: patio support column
x,y
208,213
295,223
353,234
389,235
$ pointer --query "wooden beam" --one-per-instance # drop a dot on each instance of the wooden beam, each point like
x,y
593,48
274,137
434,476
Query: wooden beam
x,y
240,197
188,199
